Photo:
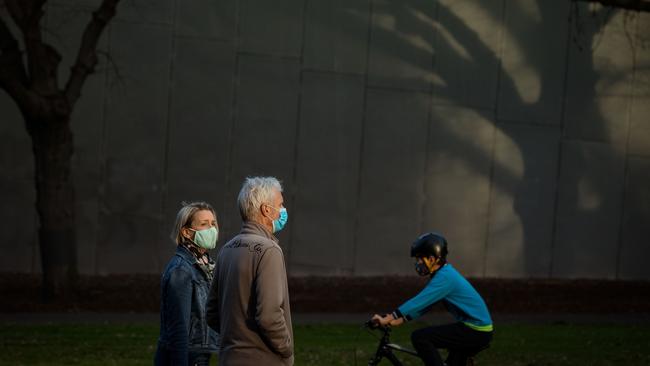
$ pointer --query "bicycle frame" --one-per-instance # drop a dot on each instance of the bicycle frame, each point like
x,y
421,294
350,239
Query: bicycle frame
x,y
385,348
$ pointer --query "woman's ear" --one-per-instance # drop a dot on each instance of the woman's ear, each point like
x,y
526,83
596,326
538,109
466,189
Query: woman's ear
x,y
186,233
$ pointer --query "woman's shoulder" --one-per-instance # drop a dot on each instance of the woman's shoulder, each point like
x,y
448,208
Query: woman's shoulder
x,y
178,263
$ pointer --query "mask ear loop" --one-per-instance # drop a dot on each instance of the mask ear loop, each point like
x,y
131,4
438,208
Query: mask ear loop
x,y
191,230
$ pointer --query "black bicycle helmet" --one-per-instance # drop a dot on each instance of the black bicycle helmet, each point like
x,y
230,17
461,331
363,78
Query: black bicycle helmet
x,y
430,245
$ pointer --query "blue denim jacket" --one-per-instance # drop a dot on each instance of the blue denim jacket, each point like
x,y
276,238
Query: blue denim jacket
x,y
183,329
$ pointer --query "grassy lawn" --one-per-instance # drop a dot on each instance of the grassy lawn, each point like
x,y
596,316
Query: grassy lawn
x,y
331,344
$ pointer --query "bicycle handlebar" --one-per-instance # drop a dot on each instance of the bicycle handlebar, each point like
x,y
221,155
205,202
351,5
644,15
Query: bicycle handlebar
x,y
374,326
370,324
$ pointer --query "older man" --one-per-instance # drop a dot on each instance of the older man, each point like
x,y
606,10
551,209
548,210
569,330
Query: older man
x,y
248,302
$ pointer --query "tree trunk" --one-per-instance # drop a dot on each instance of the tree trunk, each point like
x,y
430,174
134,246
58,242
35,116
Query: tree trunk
x,y
30,77
52,144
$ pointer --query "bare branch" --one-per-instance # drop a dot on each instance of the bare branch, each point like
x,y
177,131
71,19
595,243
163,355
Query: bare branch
x,y
13,77
42,59
87,56
637,5
17,11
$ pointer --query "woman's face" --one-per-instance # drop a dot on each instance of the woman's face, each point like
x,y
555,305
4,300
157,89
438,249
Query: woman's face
x,y
202,220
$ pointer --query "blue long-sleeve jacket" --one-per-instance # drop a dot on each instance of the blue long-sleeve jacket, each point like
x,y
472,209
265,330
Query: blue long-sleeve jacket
x,y
183,327
458,296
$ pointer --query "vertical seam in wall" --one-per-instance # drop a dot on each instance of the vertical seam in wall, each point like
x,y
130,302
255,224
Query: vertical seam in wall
x,y
101,194
630,102
425,167
296,139
233,112
502,41
428,141
486,239
170,101
560,142
357,214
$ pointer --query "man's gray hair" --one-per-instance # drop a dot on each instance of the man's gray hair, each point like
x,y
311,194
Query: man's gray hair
x,y
185,216
254,192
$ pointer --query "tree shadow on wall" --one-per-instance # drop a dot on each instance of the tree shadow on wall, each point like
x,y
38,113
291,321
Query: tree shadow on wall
x,y
563,203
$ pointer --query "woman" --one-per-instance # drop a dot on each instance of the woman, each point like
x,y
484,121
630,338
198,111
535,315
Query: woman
x,y
185,338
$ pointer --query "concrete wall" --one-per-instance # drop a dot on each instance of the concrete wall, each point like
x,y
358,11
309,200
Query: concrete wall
x,y
522,137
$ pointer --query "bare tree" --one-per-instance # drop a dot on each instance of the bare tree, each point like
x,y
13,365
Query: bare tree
x,y
29,74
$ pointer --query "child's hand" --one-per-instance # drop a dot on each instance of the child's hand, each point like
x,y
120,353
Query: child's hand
x,y
387,320
382,320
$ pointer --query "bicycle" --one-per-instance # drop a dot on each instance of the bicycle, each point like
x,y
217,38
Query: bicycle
x,y
385,348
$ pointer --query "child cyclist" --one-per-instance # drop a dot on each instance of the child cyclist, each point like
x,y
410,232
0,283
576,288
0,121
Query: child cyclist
x,y
473,330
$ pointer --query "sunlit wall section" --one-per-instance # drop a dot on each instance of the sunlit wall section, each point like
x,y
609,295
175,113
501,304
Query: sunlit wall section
x,y
636,208
591,180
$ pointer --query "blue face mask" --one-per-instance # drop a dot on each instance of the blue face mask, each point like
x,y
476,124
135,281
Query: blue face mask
x,y
279,223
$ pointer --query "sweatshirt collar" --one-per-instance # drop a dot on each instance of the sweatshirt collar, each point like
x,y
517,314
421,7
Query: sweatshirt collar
x,y
255,228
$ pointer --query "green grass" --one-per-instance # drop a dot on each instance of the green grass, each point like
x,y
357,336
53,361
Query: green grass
x,y
331,344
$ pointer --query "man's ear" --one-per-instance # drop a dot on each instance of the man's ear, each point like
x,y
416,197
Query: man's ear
x,y
264,210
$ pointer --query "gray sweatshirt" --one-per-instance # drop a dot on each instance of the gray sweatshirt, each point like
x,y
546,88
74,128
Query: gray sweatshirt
x,y
248,303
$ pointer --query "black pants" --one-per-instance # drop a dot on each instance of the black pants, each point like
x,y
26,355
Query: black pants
x,y
458,338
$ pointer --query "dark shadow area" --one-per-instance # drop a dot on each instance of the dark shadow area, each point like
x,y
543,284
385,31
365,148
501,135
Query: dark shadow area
x,y
141,294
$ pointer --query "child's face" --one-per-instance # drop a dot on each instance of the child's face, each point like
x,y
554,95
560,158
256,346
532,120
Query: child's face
x,y
425,265
422,266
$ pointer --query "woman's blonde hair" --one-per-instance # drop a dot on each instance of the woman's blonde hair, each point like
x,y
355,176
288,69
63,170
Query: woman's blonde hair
x,y
185,216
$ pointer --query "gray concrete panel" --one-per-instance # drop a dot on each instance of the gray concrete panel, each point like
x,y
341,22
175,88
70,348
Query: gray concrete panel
x,y
336,35
401,51
264,133
327,173
16,157
589,200
19,240
599,75
87,231
457,184
639,139
127,243
137,120
393,161
19,237
467,52
533,61
207,19
522,201
635,251
147,11
271,27
200,125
